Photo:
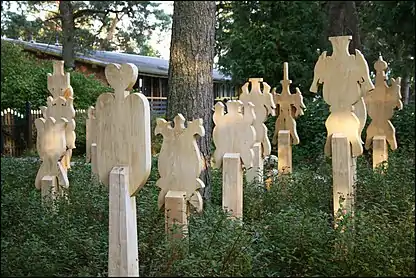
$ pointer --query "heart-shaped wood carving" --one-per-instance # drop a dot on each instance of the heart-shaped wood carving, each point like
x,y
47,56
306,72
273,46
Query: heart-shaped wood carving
x,y
121,77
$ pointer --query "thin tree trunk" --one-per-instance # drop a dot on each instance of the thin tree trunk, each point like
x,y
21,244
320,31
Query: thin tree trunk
x,y
190,85
68,29
405,89
343,21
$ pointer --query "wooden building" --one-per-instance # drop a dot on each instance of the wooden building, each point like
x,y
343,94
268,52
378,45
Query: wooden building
x,y
153,72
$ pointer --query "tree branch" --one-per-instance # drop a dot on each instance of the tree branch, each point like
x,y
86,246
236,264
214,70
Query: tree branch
x,y
92,12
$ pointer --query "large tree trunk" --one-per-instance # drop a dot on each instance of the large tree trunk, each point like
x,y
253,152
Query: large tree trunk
x,y
190,85
405,89
68,29
343,21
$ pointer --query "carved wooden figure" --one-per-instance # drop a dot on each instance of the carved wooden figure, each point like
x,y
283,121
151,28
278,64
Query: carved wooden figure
x,y
59,87
234,132
344,78
124,162
90,132
123,128
180,162
289,107
51,146
381,103
263,106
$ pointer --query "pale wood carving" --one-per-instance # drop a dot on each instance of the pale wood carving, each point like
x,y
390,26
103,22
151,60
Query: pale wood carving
x,y
49,189
360,110
232,188
381,103
342,173
123,260
263,106
123,128
61,105
176,213
344,78
180,162
90,126
255,173
234,132
51,146
284,150
289,107
94,163
380,150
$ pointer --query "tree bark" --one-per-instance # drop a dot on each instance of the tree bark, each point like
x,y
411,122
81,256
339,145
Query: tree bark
x,y
68,29
190,85
405,89
343,21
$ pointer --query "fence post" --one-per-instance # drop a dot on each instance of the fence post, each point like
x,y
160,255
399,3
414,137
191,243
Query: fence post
x,y
29,124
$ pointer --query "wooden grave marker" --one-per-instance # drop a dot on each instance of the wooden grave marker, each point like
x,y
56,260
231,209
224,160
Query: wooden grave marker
x,y
344,78
61,105
90,134
123,162
263,106
381,103
234,136
289,107
180,164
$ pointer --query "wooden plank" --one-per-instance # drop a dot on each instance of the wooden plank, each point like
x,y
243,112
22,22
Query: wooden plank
x,y
340,73
180,161
289,107
380,151
263,106
123,259
381,103
176,220
284,150
123,128
255,173
232,189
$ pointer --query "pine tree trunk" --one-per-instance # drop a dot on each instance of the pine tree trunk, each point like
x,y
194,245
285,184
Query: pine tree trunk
x,y
190,85
343,21
405,89
68,30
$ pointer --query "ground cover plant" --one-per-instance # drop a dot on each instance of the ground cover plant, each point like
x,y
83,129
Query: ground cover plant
x,y
287,231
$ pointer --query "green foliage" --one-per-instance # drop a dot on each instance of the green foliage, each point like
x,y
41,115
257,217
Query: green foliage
x,y
24,78
287,231
254,38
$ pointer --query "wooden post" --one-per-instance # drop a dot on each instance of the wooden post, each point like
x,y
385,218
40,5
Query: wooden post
x,y
232,188
284,163
342,172
255,173
123,260
49,189
176,221
380,150
263,106
29,125
94,162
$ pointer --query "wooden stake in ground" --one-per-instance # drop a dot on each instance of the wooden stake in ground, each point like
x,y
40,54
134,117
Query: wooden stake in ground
x,y
263,106
180,164
124,162
344,78
234,136
289,107
381,103
51,146
90,132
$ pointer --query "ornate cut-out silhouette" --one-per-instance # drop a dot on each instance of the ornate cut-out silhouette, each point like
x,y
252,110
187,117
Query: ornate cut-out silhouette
x,y
123,128
381,103
344,78
180,162
263,106
289,107
234,132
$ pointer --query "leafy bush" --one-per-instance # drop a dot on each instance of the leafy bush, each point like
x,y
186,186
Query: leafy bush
x,y
287,231
24,78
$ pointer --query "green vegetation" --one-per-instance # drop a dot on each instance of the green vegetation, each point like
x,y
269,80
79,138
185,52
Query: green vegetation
x,y
24,78
287,231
